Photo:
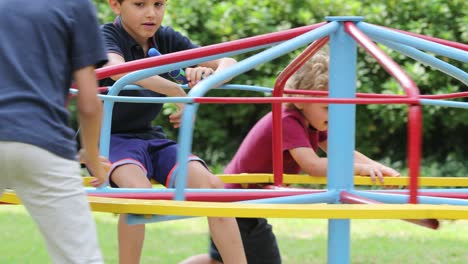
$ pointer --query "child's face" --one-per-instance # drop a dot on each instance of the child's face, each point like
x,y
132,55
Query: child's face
x,y
316,115
140,18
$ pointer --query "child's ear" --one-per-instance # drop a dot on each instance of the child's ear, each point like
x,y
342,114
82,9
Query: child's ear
x,y
115,6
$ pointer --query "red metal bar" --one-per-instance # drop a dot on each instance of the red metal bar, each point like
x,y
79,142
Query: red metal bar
x,y
414,147
385,61
208,196
433,194
445,96
414,112
287,188
277,133
205,51
358,95
349,198
296,64
266,100
277,144
373,95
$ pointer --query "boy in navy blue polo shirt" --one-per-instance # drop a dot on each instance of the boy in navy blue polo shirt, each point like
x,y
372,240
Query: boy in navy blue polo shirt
x,y
140,152
46,43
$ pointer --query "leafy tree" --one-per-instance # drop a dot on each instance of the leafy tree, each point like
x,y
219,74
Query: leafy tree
x,y
381,129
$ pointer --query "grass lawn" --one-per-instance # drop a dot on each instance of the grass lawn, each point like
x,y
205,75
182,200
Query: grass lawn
x,y
301,240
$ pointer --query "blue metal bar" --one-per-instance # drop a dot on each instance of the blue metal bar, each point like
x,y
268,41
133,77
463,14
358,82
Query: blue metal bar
x,y
104,141
416,54
341,130
142,74
444,103
185,147
262,57
325,197
241,87
136,219
145,73
144,100
403,199
109,101
188,117
341,133
246,88
339,251
384,33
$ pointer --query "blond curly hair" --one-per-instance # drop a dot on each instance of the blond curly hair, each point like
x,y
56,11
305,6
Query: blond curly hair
x,y
312,75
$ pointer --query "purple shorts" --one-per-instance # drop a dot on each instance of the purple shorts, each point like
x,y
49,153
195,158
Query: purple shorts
x,y
156,157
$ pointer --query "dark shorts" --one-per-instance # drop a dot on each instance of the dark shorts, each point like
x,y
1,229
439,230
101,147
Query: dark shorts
x,y
259,242
156,157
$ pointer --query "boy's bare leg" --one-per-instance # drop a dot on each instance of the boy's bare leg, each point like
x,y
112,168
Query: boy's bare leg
x,y
224,231
225,235
131,237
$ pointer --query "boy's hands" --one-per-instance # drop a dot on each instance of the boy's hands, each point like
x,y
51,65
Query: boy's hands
x,y
195,75
98,167
377,171
175,118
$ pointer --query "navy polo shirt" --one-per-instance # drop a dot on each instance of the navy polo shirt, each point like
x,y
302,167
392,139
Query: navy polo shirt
x,y
137,117
42,43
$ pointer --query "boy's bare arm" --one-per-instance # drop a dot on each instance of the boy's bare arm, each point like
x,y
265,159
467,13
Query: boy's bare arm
x,y
309,161
314,165
89,113
219,64
154,83
363,164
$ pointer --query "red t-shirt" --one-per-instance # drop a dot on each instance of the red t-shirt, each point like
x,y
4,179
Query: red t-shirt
x,y
255,153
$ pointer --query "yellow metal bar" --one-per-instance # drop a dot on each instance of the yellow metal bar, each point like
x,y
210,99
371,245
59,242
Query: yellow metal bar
x,y
319,211
247,178
358,180
10,198
389,181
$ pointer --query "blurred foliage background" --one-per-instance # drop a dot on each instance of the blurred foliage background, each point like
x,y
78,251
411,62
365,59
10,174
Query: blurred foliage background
x,y
381,129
